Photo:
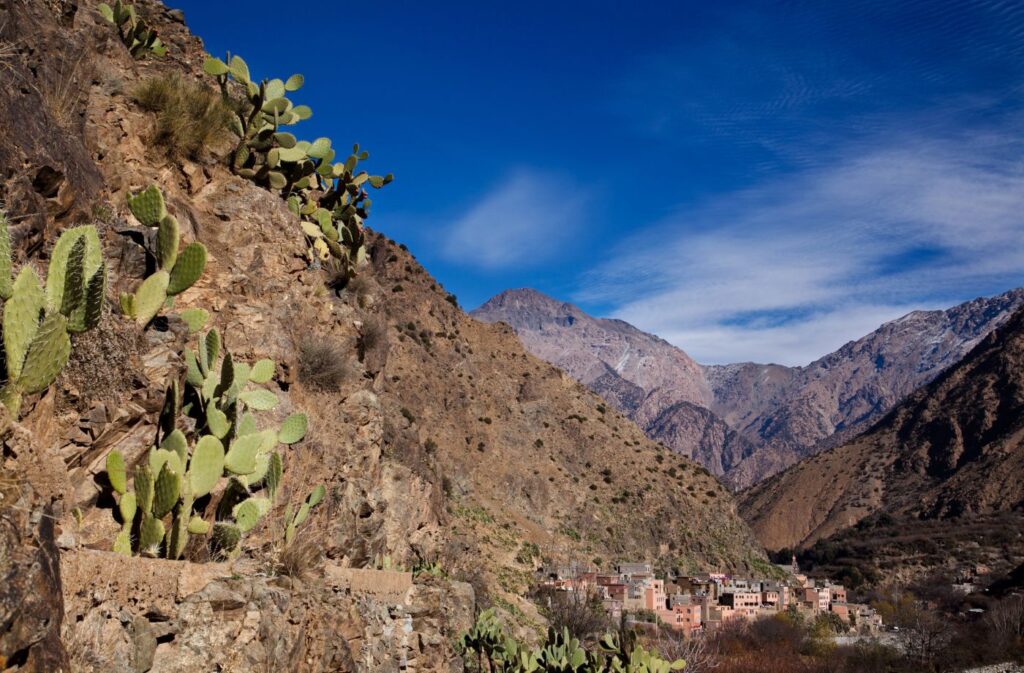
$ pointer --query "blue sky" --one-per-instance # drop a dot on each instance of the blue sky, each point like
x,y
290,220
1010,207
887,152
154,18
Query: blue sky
x,y
750,180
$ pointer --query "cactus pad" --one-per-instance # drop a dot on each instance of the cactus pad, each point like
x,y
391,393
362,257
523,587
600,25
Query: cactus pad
x,y
165,492
262,371
187,269
246,425
293,429
259,399
47,355
241,457
167,242
176,442
21,319
207,465
224,537
198,526
56,273
123,543
217,422
144,487
151,534
150,297
127,508
116,472
195,318
249,512
148,206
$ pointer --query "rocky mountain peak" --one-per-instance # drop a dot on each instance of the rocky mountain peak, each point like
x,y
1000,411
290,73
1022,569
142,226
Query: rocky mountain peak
x,y
747,421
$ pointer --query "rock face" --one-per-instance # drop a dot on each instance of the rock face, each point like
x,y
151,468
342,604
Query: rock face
x,y
440,440
951,450
748,421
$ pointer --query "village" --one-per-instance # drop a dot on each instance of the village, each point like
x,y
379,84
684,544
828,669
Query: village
x,y
704,602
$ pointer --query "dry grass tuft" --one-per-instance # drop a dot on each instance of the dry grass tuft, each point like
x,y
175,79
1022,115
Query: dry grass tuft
x,y
190,117
299,558
62,96
322,364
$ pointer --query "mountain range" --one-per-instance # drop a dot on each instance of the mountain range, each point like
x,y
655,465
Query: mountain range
x,y
747,421
938,478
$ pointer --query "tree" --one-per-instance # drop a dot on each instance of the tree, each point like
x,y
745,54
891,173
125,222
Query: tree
x,y
581,612
698,650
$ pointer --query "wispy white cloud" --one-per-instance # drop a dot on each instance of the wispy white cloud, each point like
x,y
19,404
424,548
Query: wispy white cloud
x,y
795,268
525,220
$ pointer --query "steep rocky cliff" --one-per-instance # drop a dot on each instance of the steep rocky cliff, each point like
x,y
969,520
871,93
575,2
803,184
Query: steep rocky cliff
x,y
952,451
747,421
442,441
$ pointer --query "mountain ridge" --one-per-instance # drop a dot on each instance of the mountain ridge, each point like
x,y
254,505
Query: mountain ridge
x,y
953,450
763,417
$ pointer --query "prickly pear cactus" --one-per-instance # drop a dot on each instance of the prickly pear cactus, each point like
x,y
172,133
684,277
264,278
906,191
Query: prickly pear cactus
x,y
135,33
225,443
177,272
37,321
330,198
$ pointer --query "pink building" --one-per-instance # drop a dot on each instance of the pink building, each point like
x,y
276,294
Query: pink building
x,y
654,595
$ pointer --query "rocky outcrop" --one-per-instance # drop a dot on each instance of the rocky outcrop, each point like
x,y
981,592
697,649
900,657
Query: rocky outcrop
x,y
952,449
129,616
756,419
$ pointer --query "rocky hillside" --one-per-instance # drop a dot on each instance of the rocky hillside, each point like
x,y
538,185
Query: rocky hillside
x,y
953,450
442,444
748,421
654,383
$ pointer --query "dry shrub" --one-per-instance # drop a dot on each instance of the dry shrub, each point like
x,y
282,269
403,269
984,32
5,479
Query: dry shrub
x,y
190,117
62,92
322,364
299,558
372,334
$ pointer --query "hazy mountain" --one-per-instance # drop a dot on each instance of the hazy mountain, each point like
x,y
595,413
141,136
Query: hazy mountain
x,y
762,418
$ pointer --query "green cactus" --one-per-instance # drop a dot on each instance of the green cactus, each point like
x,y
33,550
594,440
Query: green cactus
x,y
189,466
224,537
151,534
195,318
148,206
177,271
135,33
116,472
207,465
559,653
166,491
293,429
37,321
329,197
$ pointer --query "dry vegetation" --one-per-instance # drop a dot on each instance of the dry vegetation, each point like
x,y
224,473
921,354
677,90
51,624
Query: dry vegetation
x,y
322,364
190,117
